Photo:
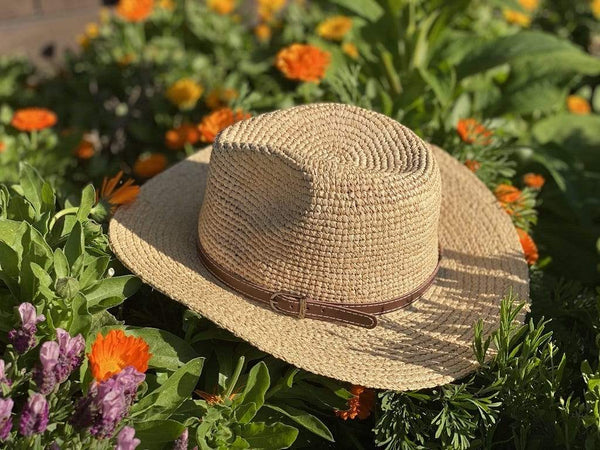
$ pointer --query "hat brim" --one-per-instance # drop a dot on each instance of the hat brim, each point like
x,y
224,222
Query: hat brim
x,y
426,344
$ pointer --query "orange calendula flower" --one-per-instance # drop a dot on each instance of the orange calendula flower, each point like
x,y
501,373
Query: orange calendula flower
x,y
184,93
112,353
262,31
85,149
350,49
219,98
516,18
213,399
360,405
112,197
169,5
529,247
534,180
176,138
578,105
509,197
217,121
33,119
529,5
222,7
334,28
268,8
595,7
472,165
472,132
2,147
134,10
149,165
303,62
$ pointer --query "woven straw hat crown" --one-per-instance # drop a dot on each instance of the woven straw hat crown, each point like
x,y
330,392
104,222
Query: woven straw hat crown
x,y
334,202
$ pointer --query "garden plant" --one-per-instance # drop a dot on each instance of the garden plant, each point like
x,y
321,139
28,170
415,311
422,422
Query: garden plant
x,y
93,358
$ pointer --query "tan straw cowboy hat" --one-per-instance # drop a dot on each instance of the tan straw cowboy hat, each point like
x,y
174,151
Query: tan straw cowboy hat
x,y
314,233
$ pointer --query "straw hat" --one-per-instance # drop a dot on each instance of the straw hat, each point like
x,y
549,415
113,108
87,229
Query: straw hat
x,y
315,235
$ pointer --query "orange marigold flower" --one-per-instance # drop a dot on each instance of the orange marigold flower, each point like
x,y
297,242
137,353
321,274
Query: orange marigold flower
x,y
33,119
529,247
112,353
509,197
218,98
268,8
181,135
262,31
113,196
134,10
578,105
217,121
517,18
534,180
472,132
334,28
529,5
85,149
2,146
350,49
149,165
360,405
472,165
303,62
222,7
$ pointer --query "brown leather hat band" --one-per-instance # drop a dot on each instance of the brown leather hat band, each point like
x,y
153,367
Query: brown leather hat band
x,y
301,306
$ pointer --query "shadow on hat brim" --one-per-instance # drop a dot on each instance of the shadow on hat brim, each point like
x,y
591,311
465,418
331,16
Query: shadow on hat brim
x,y
426,344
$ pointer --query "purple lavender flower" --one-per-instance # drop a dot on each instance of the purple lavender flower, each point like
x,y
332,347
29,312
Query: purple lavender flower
x,y
108,402
34,417
181,443
71,350
45,376
3,378
6,406
23,338
126,439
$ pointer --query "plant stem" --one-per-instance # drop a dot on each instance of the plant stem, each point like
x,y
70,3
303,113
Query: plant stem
x,y
234,377
64,212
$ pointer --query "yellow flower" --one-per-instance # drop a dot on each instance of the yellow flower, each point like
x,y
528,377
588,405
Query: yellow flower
x,y
529,5
595,6
517,18
169,5
262,31
350,49
184,93
222,7
334,28
91,30
268,8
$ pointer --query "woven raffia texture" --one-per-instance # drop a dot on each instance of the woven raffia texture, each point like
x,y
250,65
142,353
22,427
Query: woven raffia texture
x,y
425,344
335,202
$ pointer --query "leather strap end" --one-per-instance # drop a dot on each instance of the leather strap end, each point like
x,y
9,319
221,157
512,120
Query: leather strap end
x,y
301,307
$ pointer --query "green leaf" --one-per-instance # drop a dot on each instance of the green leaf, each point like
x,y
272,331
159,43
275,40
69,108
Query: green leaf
x,y
31,183
304,419
94,271
256,386
111,291
61,265
88,198
163,401
262,436
75,243
369,9
155,433
544,48
168,351
81,320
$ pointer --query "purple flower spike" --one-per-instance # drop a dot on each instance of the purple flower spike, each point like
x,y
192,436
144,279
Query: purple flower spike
x,y
71,354
181,443
126,439
3,378
107,403
23,338
34,417
45,376
6,406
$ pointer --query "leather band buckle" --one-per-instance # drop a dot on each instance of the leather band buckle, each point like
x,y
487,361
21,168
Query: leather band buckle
x,y
290,297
